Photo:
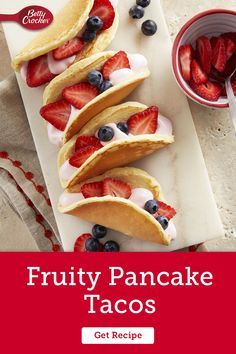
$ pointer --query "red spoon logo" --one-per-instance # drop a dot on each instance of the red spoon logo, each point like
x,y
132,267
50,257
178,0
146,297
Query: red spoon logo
x,y
32,17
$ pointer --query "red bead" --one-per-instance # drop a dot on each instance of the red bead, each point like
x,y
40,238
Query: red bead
x,y
56,248
39,218
48,202
40,189
29,175
48,233
16,163
30,203
4,154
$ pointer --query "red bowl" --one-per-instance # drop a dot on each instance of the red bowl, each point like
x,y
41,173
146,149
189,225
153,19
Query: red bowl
x,y
208,23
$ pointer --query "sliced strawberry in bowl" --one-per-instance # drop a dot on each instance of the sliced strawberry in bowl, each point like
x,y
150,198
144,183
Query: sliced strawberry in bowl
x,y
204,53
210,91
84,141
119,61
230,35
80,94
185,57
66,50
230,48
230,66
79,245
93,189
219,56
105,11
57,114
213,41
145,122
82,155
38,72
165,210
116,188
198,74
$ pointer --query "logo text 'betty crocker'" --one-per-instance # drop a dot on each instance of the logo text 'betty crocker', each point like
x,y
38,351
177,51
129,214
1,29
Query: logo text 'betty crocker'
x,y
31,17
35,17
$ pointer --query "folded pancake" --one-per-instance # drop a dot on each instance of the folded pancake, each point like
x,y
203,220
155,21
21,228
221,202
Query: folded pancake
x,y
127,200
86,156
68,24
122,71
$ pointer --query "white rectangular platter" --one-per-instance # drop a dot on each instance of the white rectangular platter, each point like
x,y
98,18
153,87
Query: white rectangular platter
x,y
180,168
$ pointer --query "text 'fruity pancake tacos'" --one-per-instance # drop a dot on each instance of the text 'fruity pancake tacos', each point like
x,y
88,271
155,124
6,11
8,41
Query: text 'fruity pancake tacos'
x,y
81,29
127,200
114,138
87,88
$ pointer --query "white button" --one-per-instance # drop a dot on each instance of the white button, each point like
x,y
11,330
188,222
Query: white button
x,y
118,335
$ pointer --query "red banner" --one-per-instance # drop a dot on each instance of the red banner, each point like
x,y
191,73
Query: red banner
x,y
176,302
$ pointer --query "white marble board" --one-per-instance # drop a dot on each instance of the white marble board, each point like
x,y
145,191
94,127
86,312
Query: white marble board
x,y
180,168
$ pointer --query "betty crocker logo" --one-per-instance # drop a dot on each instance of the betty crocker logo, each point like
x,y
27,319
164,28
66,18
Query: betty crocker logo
x,y
32,17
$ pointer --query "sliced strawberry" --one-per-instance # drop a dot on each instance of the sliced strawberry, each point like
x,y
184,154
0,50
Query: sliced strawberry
x,y
81,94
230,48
219,55
71,47
82,155
204,53
84,141
57,114
116,188
210,91
93,189
185,57
230,66
79,245
105,11
223,92
119,61
198,74
213,41
38,72
144,122
165,210
230,35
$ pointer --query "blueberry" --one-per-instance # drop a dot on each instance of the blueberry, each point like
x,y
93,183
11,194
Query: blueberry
x,y
88,35
163,221
143,3
151,206
111,246
136,12
92,245
105,85
105,133
99,231
123,127
94,23
95,78
149,28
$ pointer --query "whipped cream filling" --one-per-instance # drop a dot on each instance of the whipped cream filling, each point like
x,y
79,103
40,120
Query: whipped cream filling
x,y
114,3
58,66
23,70
164,128
139,197
138,63
55,135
